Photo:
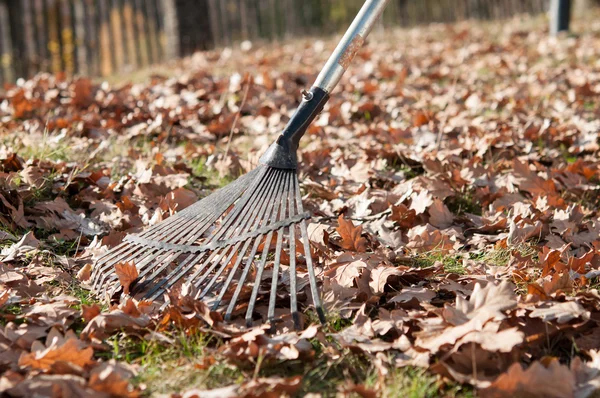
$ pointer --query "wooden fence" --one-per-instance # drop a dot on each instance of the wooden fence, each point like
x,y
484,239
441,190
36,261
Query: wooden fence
x,y
105,37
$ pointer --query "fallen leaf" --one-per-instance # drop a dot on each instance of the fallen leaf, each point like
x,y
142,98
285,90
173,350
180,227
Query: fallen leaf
x,y
127,274
351,236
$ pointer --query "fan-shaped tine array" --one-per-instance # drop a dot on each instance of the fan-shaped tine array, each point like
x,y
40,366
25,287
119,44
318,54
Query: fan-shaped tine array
x,y
222,246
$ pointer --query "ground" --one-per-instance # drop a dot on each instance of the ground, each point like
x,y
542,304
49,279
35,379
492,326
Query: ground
x,y
453,180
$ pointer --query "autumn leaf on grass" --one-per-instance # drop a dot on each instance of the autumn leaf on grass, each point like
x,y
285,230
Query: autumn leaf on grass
x,y
112,378
561,312
127,273
379,278
85,273
89,312
346,273
4,295
351,236
439,215
58,348
552,381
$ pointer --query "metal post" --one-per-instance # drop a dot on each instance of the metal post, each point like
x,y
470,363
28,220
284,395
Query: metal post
x,y
560,15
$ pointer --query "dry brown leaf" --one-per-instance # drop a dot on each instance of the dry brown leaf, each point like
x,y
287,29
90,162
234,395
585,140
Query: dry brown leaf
x,y
85,273
439,215
552,381
4,296
351,236
113,379
89,312
379,278
68,351
127,273
561,312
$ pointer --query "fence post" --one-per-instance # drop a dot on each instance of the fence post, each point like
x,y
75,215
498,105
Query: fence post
x,y
171,28
80,28
5,44
31,65
117,35
560,15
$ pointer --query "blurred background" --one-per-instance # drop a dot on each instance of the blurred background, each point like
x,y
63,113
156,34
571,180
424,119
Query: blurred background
x,y
109,37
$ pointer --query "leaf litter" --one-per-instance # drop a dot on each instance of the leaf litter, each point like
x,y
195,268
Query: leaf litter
x,y
454,183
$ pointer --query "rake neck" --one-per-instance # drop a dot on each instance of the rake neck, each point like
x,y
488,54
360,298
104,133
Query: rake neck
x,y
282,153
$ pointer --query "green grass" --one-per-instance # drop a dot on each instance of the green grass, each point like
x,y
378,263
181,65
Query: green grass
x,y
10,311
416,383
193,362
464,203
452,263
205,175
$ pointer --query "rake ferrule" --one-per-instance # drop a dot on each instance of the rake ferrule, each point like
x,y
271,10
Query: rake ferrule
x,y
282,153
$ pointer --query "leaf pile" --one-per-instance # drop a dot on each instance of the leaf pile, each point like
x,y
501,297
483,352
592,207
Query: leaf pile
x,y
454,180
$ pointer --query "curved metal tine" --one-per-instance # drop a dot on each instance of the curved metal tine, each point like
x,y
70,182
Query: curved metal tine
x,y
216,275
278,214
132,254
109,278
177,221
245,225
225,287
241,205
160,266
108,268
199,231
308,257
185,267
98,264
232,273
159,288
293,282
280,233
113,279
257,281
128,252
207,202
200,223
106,257
250,259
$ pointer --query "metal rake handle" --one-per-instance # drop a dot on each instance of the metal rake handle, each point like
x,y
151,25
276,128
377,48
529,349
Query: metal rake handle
x,y
352,41
282,154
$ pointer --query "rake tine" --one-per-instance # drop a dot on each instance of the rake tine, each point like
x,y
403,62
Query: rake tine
x,y
240,206
232,251
216,274
245,225
186,266
257,281
274,218
293,296
157,290
250,258
230,276
178,221
280,233
242,279
107,269
308,257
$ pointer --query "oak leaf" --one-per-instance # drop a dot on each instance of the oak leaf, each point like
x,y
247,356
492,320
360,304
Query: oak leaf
x,y
379,278
127,273
351,236
552,381
42,357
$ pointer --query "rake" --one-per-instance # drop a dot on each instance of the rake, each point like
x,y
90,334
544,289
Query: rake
x,y
224,245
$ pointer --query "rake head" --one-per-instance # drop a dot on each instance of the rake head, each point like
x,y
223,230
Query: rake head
x,y
234,246
222,245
